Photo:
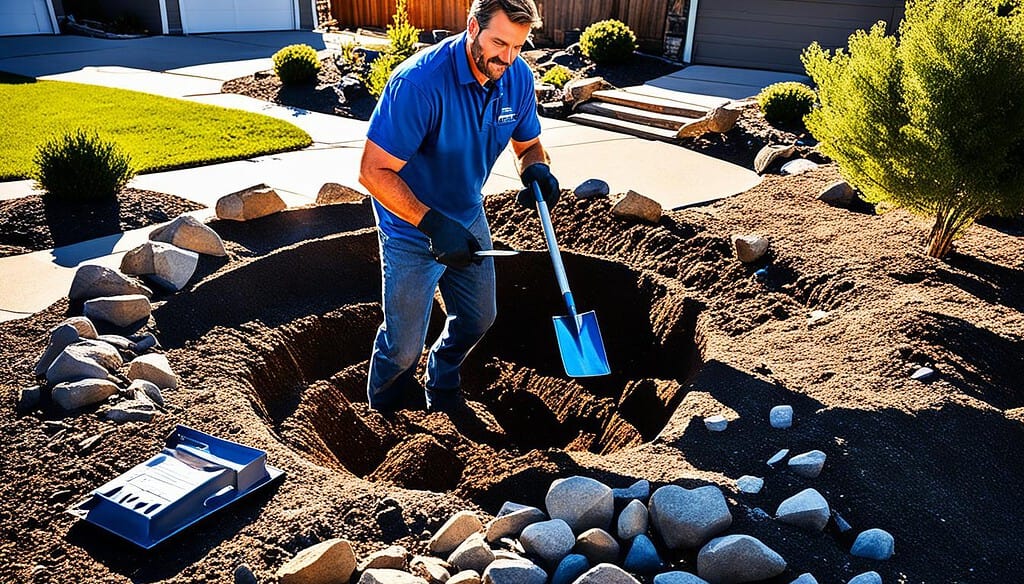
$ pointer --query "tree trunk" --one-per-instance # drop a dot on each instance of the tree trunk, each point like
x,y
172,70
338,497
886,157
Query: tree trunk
x,y
950,223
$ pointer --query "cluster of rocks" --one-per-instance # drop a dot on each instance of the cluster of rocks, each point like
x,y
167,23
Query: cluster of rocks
x,y
589,534
808,509
631,206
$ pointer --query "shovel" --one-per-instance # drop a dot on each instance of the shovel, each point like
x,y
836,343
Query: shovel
x,y
579,338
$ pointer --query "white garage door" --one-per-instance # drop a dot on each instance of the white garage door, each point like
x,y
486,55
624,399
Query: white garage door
x,y
25,17
199,16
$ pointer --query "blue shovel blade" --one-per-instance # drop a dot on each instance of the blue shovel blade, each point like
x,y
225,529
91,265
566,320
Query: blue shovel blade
x,y
581,346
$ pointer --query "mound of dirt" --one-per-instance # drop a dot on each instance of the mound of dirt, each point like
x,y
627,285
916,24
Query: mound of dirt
x,y
271,347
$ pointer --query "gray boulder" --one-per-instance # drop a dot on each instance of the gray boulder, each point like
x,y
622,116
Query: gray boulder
x,y
511,521
606,574
806,509
189,233
866,578
687,518
678,577
93,281
874,544
550,540
514,572
581,502
808,464
155,368
738,558
121,311
168,265
632,520
597,545
75,394
60,338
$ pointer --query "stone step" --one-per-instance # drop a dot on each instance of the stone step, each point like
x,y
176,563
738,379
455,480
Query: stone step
x,y
632,114
632,128
649,103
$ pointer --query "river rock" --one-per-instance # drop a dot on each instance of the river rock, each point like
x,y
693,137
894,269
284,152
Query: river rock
x,y
75,394
581,502
511,523
638,207
638,490
686,518
60,338
592,187
770,154
189,233
380,576
781,416
250,203
874,544
120,311
632,520
597,545
550,540
155,368
716,423
805,578
454,532
606,574
866,578
678,577
328,561
472,554
806,509
808,464
390,558
642,558
465,577
570,568
514,572
436,570
778,456
837,194
798,166
749,484
738,558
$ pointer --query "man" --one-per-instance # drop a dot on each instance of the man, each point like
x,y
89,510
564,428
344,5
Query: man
x,y
441,122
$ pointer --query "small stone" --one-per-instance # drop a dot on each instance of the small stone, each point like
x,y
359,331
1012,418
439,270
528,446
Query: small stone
x,y
155,368
243,575
581,502
642,558
798,166
436,570
592,187
597,545
923,374
391,558
749,484
633,520
83,325
749,248
815,316
808,464
465,577
511,523
678,577
326,561
514,572
806,578
472,554
716,423
121,311
806,509
570,568
841,524
250,203
375,576
29,398
132,411
606,574
866,578
148,389
549,540
637,207
144,342
331,193
874,544
781,416
60,338
837,194
638,490
769,154
686,518
454,532
189,233
90,443
738,558
778,456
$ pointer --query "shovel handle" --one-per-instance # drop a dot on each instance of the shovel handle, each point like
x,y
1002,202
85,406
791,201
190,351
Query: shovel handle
x,y
556,257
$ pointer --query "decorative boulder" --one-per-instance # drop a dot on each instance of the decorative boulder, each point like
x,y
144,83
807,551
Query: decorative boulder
x,y
328,561
75,394
119,311
636,206
189,233
686,518
251,203
169,265
336,193
580,90
95,281
581,502
749,248
738,558
154,368
771,153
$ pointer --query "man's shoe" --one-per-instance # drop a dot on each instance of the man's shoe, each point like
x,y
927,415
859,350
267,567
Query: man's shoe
x,y
444,400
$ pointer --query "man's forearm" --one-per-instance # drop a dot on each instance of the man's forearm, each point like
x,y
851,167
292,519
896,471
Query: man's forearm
x,y
391,191
533,155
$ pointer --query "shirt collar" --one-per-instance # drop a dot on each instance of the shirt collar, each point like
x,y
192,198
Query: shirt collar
x,y
462,70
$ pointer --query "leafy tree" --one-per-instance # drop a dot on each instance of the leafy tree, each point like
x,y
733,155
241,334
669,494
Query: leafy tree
x,y
403,36
931,120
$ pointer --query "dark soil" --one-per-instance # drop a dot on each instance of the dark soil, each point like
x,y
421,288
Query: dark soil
x,y
34,222
271,347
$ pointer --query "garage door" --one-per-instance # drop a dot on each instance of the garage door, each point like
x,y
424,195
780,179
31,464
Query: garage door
x,y
25,17
199,16
771,34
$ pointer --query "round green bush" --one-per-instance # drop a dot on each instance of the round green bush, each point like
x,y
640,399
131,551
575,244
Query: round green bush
x,y
558,76
379,72
296,64
786,102
81,166
608,42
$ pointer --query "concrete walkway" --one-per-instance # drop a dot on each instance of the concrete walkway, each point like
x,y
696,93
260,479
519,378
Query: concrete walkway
x,y
194,68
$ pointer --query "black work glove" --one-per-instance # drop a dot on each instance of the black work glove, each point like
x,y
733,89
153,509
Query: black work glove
x,y
451,243
547,182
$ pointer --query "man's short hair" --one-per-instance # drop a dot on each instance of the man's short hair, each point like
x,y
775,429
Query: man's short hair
x,y
518,11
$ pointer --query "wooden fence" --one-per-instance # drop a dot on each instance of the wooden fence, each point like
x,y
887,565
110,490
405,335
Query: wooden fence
x,y
645,17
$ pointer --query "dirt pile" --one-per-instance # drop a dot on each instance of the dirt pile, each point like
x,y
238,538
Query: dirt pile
x,y
271,345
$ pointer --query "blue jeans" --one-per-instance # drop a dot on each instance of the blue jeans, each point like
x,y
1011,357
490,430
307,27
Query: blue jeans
x,y
409,276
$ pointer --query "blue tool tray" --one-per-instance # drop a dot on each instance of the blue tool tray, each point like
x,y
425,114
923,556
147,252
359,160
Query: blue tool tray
x,y
193,476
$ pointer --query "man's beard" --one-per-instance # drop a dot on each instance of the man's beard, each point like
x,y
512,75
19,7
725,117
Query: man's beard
x,y
483,66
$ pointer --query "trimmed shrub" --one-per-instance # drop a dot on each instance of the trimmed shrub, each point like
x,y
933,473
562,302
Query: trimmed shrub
x,y
379,73
296,64
786,102
608,42
402,34
81,167
931,120
558,76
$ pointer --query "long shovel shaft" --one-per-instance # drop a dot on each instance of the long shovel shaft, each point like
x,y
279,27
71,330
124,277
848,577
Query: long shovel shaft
x,y
556,256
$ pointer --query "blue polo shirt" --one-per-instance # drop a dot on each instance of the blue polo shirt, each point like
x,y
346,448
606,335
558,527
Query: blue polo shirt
x,y
449,129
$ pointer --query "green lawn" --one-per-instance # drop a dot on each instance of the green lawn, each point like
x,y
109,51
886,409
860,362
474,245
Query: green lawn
x,y
158,133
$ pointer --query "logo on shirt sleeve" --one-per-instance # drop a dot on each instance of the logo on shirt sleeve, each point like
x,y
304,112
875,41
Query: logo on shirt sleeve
x,y
507,116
